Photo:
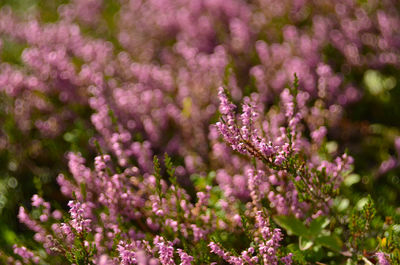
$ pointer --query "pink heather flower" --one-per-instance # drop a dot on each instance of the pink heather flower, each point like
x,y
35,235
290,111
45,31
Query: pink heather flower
x,y
198,233
279,159
127,253
247,255
78,222
247,117
185,258
254,181
165,251
172,224
287,100
319,134
225,107
388,165
43,217
100,162
25,254
24,218
287,260
269,245
382,258
237,219
67,231
37,201
156,207
219,251
57,214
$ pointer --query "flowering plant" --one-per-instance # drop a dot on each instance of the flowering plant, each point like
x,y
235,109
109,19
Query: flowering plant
x,y
221,132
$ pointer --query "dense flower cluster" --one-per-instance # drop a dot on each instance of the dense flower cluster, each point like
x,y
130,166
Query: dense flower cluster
x,y
266,246
151,87
244,98
279,148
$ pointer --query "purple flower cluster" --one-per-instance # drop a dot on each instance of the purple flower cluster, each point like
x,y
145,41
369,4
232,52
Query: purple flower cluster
x,y
126,197
26,255
276,142
267,244
382,258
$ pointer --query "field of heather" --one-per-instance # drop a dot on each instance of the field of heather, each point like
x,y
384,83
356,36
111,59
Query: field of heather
x,y
245,132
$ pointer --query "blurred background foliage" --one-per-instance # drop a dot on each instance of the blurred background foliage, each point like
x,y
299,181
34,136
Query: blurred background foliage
x,y
30,163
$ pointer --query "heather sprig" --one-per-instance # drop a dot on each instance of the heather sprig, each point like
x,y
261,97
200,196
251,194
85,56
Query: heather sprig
x,y
285,156
263,249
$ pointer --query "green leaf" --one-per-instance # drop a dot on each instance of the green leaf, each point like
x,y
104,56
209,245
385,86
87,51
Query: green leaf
x,y
317,225
305,244
309,235
351,179
83,190
292,225
9,236
332,242
367,262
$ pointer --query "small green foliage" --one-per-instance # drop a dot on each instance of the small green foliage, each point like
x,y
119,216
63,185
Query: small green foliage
x,y
114,119
360,223
157,175
294,89
314,234
170,168
83,190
